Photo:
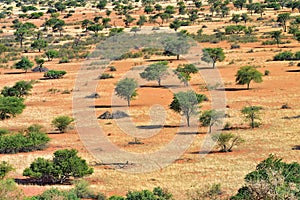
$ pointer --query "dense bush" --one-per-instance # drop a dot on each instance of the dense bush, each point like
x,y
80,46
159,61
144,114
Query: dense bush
x,y
54,74
287,55
23,141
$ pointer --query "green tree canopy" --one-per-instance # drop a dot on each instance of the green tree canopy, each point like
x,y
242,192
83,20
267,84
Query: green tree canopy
x,y
283,19
155,72
62,123
65,164
39,44
177,46
251,114
247,74
10,107
210,117
184,72
186,103
272,179
213,55
126,89
20,89
24,64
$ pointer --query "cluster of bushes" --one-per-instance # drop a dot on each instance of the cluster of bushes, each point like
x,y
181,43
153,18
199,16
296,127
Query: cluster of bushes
x,y
29,140
81,190
287,55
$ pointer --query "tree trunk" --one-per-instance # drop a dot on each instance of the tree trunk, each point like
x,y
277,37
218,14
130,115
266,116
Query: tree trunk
x,y
177,56
214,64
128,102
188,120
248,86
159,82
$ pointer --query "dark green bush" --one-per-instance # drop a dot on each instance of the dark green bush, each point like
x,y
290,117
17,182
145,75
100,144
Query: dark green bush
x,y
54,74
286,55
105,76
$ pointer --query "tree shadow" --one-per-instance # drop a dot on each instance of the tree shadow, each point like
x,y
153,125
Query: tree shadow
x,y
188,133
10,73
157,86
232,89
207,152
33,181
150,127
296,147
108,106
294,117
293,70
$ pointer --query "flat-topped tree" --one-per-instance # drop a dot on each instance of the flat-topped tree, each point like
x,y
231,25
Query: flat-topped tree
x,y
24,64
247,74
126,89
155,72
239,3
213,55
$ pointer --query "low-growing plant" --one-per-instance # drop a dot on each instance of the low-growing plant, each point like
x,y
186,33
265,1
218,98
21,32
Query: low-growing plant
x,y
105,76
62,123
54,74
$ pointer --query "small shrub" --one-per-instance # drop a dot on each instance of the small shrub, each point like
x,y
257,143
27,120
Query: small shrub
x,y
64,60
267,73
227,126
62,123
235,46
112,68
105,76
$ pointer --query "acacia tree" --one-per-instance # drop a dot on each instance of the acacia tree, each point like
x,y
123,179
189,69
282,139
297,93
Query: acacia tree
x,y
239,3
271,179
184,72
252,113
276,35
39,44
213,55
177,46
65,164
226,141
236,18
210,117
24,64
186,103
246,74
126,89
23,31
283,19
155,72
20,89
